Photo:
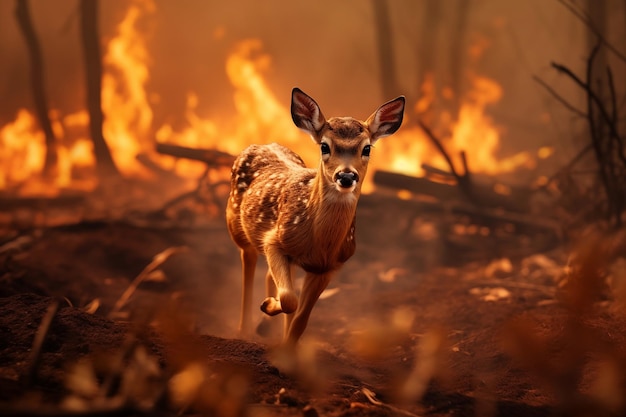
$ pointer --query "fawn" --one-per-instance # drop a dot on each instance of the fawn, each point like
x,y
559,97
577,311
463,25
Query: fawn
x,y
298,216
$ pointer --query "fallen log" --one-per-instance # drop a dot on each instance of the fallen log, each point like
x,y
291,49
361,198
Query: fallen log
x,y
514,199
11,202
483,215
213,158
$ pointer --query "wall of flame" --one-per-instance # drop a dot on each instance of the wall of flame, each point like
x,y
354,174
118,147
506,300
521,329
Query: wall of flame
x,y
218,76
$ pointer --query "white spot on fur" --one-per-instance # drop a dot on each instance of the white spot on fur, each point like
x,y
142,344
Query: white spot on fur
x,y
296,220
256,174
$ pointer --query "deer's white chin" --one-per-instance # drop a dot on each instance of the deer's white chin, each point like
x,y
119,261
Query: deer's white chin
x,y
343,190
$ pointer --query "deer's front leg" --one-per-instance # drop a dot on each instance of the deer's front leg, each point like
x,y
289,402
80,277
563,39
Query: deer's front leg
x,y
312,288
286,300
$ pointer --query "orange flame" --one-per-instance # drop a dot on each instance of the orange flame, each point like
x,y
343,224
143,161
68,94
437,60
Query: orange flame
x,y
474,133
23,149
128,120
260,117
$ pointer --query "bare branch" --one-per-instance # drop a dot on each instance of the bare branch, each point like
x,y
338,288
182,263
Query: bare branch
x,y
584,17
560,99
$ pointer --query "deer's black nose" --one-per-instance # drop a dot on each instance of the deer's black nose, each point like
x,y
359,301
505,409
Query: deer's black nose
x,y
346,179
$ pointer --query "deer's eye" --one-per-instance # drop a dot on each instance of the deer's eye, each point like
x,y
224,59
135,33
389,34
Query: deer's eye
x,y
325,149
366,150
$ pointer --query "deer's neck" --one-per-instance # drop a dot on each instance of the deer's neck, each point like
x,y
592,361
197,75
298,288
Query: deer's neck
x,y
332,214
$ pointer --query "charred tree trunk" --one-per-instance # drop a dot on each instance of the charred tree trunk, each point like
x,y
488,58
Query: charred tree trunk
x,y
93,68
427,59
22,13
605,139
457,51
389,82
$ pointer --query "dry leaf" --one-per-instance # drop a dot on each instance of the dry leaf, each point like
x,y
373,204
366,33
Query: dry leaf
x,y
327,293
499,268
391,274
82,380
491,293
185,385
93,306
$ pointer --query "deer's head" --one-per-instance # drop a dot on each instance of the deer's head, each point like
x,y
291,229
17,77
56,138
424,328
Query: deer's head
x,y
345,143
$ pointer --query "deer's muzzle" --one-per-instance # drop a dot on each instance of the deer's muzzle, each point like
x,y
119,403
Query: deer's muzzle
x,y
346,179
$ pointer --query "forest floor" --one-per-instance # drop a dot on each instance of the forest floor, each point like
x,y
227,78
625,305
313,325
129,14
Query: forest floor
x,y
414,325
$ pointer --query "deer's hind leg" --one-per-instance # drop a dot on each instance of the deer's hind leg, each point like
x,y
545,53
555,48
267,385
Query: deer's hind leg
x,y
249,257
266,326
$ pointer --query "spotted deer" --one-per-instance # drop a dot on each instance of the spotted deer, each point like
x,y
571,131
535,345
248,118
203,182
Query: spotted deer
x,y
303,217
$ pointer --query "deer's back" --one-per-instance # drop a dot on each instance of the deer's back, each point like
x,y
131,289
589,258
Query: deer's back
x,y
269,186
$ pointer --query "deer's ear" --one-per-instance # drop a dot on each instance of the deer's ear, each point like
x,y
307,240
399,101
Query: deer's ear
x,y
305,112
386,119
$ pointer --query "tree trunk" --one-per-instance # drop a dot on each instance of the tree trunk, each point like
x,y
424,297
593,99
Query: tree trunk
x,y
389,82
457,52
429,44
93,67
22,13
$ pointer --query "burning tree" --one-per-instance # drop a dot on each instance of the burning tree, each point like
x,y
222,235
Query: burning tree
x,y
93,65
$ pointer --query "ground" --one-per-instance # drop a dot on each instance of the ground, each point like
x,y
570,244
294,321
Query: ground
x,y
414,324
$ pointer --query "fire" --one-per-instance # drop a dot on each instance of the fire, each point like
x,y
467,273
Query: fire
x,y
260,117
128,115
474,133
23,150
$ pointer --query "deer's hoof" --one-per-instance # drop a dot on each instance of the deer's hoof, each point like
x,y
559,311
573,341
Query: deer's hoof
x,y
271,306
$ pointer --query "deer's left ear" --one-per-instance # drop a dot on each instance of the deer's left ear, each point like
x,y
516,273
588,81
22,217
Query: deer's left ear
x,y
386,119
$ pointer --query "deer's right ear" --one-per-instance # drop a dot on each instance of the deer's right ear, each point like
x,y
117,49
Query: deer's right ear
x,y
305,112
386,119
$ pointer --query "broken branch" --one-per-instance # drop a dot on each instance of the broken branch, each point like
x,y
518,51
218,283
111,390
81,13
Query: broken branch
x,y
211,157
40,338
157,261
